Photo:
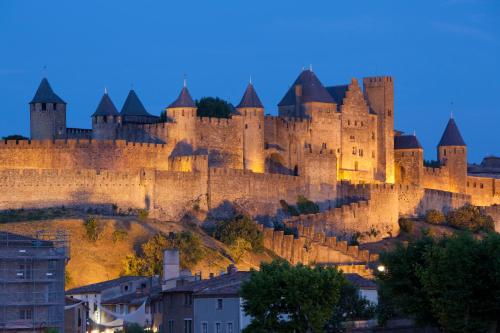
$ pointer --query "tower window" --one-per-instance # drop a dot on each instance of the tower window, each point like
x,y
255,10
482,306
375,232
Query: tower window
x,y
361,152
352,138
444,152
389,113
355,123
54,106
354,151
349,123
44,106
373,135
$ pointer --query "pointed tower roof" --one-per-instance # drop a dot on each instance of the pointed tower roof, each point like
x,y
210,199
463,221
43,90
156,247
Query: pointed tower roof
x,y
451,135
45,94
184,100
312,90
106,107
133,106
250,99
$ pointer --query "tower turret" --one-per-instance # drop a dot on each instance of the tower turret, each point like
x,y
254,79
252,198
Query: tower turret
x,y
105,120
452,152
47,114
379,92
252,111
409,160
133,111
183,112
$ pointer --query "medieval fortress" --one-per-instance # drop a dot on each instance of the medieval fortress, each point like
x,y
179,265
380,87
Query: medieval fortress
x,y
335,145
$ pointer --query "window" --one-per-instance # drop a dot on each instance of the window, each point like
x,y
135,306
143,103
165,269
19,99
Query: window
x,y
170,326
355,123
44,106
204,327
389,113
373,135
25,314
373,154
219,304
55,106
188,299
354,150
229,328
79,318
348,123
361,152
24,271
187,326
217,328
352,138
481,186
444,152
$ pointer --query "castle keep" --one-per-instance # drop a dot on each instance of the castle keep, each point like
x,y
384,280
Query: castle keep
x,y
335,145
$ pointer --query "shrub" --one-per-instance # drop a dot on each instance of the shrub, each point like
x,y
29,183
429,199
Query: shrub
x,y
92,228
433,216
228,231
239,248
289,209
119,235
406,225
143,214
470,217
306,206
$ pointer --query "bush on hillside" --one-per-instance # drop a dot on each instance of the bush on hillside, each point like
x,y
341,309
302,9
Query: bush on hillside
x,y
119,235
92,228
471,218
289,209
406,225
306,206
228,231
434,216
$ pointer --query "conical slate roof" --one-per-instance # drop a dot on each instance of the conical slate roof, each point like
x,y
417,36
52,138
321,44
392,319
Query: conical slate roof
x,y
250,99
451,135
106,107
406,142
45,94
312,90
184,100
133,106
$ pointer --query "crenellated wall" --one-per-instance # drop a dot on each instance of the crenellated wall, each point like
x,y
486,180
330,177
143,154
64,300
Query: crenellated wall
x,y
483,191
82,154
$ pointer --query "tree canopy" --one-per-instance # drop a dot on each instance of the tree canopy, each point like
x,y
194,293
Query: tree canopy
x,y
214,107
450,282
286,298
15,137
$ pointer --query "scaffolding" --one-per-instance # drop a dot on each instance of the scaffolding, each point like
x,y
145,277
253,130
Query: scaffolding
x,y
32,277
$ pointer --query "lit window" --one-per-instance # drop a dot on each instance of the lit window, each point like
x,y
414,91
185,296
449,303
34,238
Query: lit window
x,y
354,150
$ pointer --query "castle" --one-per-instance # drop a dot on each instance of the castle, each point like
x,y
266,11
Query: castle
x,y
335,145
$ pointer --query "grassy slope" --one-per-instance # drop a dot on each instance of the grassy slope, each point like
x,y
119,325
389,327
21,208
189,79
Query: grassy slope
x,y
103,260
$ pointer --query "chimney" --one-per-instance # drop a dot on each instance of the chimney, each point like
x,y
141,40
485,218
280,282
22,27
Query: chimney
x,y
171,264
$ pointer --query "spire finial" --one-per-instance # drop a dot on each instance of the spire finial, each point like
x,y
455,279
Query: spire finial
x,y
250,79
44,71
132,86
451,112
185,81
105,90
311,67
414,133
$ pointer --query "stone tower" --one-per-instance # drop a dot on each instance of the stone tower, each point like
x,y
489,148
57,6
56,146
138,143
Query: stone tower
x,y
252,111
452,152
183,112
409,160
105,120
379,92
47,114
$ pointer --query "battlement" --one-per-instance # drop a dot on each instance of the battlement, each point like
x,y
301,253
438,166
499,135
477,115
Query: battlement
x,y
223,122
434,171
189,163
245,173
75,143
370,80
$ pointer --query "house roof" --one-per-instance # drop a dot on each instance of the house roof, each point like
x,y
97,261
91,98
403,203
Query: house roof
x,y
106,107
312,90
45,94
360,282
101,286
451,135
406,142
338,93
133,106
184,100
220,282
8,239
250,99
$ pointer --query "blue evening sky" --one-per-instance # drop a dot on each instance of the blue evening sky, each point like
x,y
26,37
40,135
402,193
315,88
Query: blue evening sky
x,y
438,51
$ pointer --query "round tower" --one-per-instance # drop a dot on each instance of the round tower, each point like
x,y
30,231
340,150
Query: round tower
x,y
105,120
47,114
183,113
252,111
452,153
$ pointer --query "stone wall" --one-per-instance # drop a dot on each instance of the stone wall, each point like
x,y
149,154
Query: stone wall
x,y
494,212
82,154
483,191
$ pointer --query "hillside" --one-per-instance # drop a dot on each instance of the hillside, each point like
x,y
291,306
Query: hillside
x,y
102,260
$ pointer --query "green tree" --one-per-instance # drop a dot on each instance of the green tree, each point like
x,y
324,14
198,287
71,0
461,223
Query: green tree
x,y
228,231
150,260
214,107
450,282
285,298
93,228
239,248
406,225
15,137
